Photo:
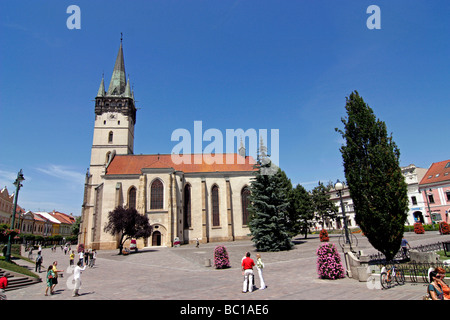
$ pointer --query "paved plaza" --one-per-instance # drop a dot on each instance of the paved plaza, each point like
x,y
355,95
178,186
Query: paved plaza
x,y
180,274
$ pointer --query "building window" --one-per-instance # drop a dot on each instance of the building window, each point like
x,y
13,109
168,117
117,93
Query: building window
x,y
245,194
187,206
132,198
215,205
448,195
156,195
414,200
430,198
110,137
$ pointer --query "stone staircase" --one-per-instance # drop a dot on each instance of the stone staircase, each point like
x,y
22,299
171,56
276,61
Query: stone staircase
x,y
18,281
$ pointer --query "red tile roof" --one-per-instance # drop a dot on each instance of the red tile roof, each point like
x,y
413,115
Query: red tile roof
x,y
132,164
438,172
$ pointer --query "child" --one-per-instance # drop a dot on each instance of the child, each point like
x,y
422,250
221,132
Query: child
x,y
260,267
72,256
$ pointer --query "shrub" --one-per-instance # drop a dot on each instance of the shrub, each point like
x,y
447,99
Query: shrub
x,y
324,235
444,228
418,228
329,264
221,259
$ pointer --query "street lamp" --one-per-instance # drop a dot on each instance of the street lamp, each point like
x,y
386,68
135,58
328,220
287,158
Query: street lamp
x,y
339,186
18,184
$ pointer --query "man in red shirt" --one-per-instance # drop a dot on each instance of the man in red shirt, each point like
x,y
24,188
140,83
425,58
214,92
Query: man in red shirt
x,y
247,271
3,285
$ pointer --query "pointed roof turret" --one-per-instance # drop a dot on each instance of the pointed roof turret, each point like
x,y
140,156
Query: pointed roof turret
x,y
127,93
101,90
118,78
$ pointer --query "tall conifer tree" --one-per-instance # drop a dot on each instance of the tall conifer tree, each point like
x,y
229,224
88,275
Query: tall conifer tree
x,y
372,170
268,209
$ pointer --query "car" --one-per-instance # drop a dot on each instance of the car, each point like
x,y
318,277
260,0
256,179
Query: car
x,y
133,245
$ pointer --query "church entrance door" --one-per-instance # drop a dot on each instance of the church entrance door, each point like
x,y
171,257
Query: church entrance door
x,y
156,238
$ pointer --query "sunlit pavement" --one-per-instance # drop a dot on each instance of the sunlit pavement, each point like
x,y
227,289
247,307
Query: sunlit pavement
x,y
182,274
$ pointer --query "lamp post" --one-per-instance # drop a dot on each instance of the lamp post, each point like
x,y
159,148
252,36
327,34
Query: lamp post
x,y
339,186
18,184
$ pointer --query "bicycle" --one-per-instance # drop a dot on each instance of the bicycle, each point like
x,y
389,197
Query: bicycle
x,y
351,237
388,276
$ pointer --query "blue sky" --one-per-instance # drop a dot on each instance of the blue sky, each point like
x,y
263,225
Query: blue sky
x,y
285,65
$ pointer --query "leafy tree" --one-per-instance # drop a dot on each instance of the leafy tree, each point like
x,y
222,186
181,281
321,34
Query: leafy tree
x,y
324,208
76,226
268,210
301,211
127,223
377,186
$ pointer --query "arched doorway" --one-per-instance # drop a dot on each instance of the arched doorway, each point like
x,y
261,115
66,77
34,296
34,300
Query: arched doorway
x,y
156,239
418,217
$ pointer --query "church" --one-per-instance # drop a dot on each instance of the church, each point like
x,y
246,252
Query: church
x,y
193,200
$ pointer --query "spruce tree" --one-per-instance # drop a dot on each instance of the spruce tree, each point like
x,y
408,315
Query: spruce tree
x,y
377,186
268,210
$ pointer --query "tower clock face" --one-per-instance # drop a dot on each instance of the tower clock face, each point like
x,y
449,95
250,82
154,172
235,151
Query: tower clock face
x,y
112,116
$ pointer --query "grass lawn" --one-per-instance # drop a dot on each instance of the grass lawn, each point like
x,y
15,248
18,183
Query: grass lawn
x,y
12,266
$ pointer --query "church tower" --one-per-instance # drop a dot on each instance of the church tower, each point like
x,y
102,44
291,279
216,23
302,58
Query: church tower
x,y
115,118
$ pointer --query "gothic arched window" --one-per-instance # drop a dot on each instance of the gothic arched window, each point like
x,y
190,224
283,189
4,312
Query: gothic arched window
x,y
215,205
132,198
245,194
187,206
156,195
110,137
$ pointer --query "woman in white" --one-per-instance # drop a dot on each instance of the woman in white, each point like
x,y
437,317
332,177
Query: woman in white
x,y
260,267
77,278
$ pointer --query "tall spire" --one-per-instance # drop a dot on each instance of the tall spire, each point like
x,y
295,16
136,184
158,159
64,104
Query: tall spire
x,y
118,79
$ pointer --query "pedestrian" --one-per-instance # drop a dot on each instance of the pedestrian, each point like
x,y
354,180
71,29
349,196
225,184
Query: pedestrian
x,y
434,288
197,243
247,272
3,285
39,249
77,278
55,277
86,258
92,258
71,258
49,278
404,245
81,256
260,267
445,288
39,261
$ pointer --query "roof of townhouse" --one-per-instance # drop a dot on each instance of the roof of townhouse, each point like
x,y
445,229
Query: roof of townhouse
x,y
64,218
438,172
48,216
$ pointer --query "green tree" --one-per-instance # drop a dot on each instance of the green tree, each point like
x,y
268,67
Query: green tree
x,y
324,208
127,224
377,186
268,210
301,210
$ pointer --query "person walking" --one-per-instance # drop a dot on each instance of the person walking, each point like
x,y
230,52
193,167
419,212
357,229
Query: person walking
x,y
260,267
49,278
405,245
55,277
71,258
92,257
77,278
81,256
247,272
39,261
